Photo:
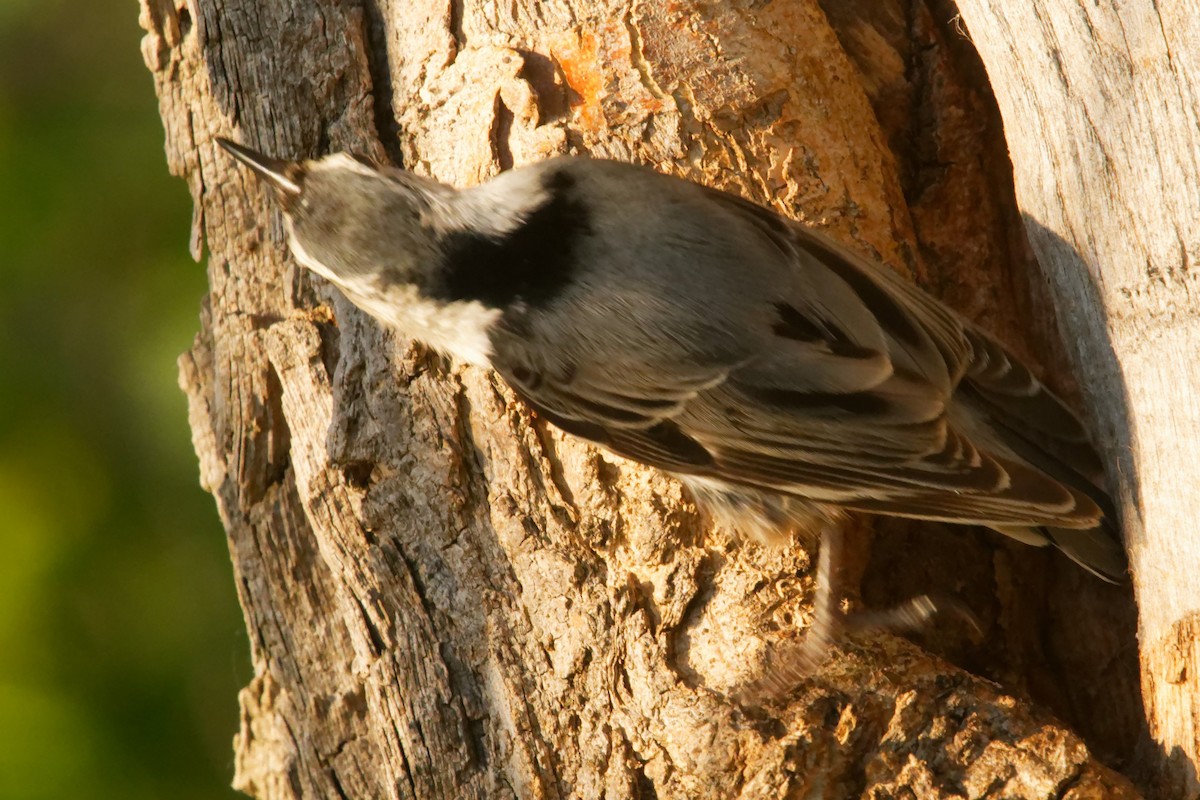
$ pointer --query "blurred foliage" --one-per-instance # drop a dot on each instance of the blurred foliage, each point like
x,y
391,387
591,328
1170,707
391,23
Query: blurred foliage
x,y
121,646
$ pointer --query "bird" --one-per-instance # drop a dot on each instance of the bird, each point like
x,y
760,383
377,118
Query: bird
x,y
780,375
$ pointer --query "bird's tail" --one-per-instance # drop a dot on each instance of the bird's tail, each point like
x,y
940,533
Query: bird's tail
x,y
1098,550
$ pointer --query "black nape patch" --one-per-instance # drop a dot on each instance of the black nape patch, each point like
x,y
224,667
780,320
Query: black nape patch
x,y
531,264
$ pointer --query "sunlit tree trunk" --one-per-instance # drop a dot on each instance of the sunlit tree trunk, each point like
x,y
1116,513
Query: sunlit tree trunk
x,y
445,597
1102,116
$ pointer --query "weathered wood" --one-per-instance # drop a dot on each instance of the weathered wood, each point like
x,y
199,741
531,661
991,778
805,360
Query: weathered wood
x,y
1100,108
445,597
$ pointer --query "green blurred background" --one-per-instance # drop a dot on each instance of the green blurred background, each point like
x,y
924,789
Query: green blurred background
x,y
121,645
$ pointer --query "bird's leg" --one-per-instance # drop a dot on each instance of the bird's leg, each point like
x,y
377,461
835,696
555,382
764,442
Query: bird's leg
x,y
795,662
830,625
829,622
912,615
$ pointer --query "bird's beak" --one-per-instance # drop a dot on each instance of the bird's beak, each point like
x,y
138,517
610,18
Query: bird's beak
x,y
280,174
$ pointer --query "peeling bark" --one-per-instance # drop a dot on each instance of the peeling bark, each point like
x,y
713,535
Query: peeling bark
x,y
447,598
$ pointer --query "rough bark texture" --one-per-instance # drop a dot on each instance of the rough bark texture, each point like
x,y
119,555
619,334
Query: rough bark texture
x,y
1106,154
445,597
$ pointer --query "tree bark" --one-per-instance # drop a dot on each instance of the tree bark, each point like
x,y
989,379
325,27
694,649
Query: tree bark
x,y
1106,155
447,598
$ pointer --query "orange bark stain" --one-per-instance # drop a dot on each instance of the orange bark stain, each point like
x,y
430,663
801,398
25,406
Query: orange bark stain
x,y
578,54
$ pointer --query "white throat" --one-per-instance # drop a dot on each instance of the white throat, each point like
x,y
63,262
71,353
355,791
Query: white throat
x,y
459,329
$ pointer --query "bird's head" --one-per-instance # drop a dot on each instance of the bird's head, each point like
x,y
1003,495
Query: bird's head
x,y
414,253
439,264
363,227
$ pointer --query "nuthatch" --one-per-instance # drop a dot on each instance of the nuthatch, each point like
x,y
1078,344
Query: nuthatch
x,y
777,373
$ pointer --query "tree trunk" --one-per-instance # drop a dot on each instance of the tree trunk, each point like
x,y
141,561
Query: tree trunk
x,y
1106,155
448,598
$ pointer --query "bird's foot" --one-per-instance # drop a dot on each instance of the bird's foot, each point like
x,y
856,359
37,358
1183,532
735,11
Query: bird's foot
x,y
791,664
912,615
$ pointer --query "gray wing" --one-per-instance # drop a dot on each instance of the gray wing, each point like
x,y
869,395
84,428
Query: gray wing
x,y
845,391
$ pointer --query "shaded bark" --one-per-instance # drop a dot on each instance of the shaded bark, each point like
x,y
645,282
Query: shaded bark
x,y
446,597
1106,153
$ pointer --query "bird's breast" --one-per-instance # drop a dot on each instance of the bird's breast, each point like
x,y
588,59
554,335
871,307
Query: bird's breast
x,y
457,328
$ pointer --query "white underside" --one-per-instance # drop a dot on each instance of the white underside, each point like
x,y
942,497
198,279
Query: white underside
x,y
458,329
